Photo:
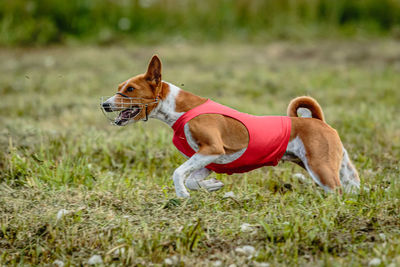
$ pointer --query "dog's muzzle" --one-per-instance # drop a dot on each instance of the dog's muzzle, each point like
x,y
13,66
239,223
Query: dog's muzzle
x,y
119,110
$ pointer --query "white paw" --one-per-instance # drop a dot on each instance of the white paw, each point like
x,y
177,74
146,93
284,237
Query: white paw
x,y
182,194
192,184
211,184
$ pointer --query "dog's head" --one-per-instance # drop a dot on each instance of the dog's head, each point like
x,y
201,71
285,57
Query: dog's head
x,y
136,97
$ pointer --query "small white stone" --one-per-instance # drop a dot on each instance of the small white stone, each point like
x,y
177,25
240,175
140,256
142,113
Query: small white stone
x,y
61,213
95,259
217,263
245,227
175,259
246,250
168,261
300,176
58,263
119,252
382,236
229,194
239,250
261,264
250,250
375,262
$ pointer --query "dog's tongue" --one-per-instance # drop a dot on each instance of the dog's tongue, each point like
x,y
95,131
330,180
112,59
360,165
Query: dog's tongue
x,y
126,114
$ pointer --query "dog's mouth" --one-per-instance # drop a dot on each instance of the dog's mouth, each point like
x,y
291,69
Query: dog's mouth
x,y
126,115
122,113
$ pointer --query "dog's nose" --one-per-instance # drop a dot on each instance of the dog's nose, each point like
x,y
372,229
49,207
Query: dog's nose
x,y
107,107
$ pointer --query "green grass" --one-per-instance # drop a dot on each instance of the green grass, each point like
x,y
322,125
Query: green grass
x,y
42,22
59,152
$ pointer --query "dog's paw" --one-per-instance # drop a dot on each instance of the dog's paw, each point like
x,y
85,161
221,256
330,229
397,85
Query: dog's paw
x,y
211,184
192,184
182,194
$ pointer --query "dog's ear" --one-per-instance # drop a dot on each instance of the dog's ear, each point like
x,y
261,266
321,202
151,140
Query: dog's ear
x,y
153,74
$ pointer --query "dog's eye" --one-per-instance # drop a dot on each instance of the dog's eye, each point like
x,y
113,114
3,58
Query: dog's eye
x,y
130,89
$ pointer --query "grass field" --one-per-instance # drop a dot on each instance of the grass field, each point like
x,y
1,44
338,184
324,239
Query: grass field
x,y
41,22
114,184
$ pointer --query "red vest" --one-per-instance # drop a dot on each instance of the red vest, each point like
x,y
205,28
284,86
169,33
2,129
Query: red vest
x,y
268,137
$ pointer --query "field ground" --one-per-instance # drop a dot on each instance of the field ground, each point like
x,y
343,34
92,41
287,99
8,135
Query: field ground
x,y
59,152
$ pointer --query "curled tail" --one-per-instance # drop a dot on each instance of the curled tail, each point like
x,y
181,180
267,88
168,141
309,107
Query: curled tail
x,y
308,103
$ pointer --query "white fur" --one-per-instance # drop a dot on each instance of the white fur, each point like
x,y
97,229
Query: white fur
x,y
195,181
196,162
304,113
195,177
165,110
348,174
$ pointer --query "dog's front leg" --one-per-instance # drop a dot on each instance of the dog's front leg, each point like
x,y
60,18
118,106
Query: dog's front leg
x,y
196,162
196,181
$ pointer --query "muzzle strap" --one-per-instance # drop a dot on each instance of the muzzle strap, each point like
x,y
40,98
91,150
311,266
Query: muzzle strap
x,y
147,118
121,94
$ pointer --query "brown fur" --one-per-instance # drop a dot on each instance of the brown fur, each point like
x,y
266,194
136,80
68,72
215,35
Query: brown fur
x,y
215,131
146,86
186,101
308,103
322,143
323,148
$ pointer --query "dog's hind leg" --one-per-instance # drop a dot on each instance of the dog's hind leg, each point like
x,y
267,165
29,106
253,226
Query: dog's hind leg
x,y
325,175
348,174
324,171
196,181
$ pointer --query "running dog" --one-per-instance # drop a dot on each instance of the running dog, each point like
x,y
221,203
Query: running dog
x,y
220,139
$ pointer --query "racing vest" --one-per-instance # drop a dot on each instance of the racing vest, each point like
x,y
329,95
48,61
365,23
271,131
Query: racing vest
x,y
268,137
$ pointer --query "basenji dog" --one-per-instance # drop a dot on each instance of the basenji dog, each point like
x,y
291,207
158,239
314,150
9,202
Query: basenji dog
x,y
217,138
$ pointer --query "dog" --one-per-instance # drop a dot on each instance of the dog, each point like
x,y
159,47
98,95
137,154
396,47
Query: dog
x,y
217,138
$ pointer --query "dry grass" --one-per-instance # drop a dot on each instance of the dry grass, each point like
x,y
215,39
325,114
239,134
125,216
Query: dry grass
x,y
60,153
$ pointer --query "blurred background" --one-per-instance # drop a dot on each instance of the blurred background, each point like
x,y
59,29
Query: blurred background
x,y
42,22
58,152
